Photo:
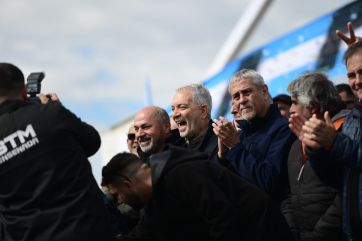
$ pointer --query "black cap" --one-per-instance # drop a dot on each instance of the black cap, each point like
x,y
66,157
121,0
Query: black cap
x,y
283,98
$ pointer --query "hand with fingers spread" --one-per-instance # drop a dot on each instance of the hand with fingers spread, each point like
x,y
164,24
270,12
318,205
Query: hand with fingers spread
x,y
296,123
352,37
319,133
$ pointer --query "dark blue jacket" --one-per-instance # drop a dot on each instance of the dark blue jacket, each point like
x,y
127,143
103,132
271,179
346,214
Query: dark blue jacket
x,y
342,167
261,156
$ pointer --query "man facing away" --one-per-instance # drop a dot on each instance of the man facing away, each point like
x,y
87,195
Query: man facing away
x,y
188,197
47,190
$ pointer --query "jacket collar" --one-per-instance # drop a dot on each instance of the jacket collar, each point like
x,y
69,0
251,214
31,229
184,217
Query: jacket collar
x,y
256,122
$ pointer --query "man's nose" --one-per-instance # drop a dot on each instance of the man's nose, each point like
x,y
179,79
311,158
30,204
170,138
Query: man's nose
x,y
243,99
359,77
175,113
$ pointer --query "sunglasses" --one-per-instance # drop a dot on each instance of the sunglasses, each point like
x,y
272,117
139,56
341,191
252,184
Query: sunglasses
x,y
131,136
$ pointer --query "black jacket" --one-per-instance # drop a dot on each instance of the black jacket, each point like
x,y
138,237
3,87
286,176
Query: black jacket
x,y
207,144
314,209
47,190
195,199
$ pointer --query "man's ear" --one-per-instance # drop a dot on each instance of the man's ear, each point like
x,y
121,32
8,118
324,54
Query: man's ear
x,y
265,90
127,183
204,111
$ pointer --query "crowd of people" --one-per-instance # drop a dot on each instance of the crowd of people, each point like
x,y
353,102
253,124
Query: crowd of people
x,y
285,168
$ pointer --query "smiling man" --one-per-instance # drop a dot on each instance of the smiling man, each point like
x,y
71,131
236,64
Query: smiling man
x,y
260,153
191,110
329,150
153,130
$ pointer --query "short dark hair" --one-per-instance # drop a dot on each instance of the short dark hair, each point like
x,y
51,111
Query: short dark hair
x,y
121,165
11,78
346,88
286,99
352,49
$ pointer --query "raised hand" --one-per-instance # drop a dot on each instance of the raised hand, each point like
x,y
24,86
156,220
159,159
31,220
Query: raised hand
x,y
319,133
227,134
296,123
352,37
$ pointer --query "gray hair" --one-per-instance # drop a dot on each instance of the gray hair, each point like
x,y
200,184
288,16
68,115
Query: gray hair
x,y
315,88
250,74
200,95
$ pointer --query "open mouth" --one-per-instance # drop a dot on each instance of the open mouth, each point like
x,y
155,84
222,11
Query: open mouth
x,y
181,125
144,141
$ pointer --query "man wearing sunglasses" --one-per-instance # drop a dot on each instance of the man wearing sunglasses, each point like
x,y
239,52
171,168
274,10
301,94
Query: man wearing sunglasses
x,y
131,141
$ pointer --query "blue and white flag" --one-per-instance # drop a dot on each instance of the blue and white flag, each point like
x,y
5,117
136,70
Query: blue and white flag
x,y
313,47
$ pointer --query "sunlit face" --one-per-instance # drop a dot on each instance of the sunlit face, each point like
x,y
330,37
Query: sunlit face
x,y
299,108
150,133
354,73
187,115
250,100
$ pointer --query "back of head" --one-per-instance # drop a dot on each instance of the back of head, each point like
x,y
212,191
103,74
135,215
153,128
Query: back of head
x,y
201,95
11,79
316,88
283,98
121,165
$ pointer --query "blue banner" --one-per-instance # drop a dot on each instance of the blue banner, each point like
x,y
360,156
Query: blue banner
x,y
313,47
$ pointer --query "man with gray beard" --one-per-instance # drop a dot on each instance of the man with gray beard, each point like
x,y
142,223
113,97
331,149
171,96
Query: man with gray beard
x,y
259,152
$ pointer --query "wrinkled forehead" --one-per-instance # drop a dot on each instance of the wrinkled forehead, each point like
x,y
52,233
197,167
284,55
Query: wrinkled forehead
x,y
354,60
143,118
240,85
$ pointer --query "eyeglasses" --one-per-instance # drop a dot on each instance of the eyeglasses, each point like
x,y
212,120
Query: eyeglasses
x,y
131,136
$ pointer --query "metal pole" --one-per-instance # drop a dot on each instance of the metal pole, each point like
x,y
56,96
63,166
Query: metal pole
x,y
239,35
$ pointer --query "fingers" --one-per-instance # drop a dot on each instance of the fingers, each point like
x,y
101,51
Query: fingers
x,y
352,36
351,32
46,98
53,96
296,123
327,118
43,98
343,37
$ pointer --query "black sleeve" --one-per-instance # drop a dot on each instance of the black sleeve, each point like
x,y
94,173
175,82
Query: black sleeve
x,y
141,232
207,200
86,135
